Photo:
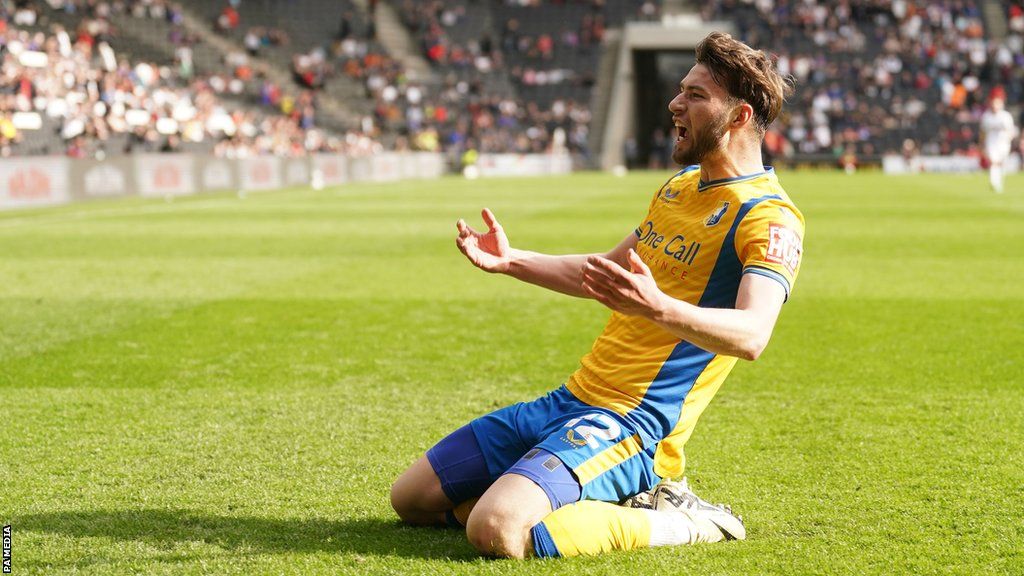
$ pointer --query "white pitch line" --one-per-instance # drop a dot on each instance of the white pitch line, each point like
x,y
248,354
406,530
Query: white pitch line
x,y
166,208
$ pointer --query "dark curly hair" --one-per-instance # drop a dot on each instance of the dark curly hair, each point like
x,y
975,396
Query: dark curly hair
x,y
747,74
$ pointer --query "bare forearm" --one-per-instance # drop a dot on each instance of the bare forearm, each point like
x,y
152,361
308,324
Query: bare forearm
x,y
740,333
559,273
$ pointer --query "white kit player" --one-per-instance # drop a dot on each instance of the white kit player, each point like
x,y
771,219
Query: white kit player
x,y
997,132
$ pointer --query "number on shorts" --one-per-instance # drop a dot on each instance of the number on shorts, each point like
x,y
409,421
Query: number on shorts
x,y
590,434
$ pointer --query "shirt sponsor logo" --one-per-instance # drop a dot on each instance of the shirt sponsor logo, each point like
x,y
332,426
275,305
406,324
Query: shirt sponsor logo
x,y
784,247
678,247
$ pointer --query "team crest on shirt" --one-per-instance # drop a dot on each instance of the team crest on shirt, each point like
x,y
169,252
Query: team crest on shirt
x,y
717,215
784,247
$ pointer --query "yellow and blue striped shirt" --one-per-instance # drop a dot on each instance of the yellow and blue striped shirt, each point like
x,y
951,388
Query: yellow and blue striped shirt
x,y
699,239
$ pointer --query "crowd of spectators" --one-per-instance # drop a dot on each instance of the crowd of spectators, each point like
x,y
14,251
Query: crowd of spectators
x,y
72,82
1015,16
875,77
113,105
459,114
433,23
258,37
466,53
872,77
645,9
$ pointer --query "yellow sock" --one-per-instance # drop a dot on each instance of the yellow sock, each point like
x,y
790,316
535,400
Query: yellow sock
x,y
588,527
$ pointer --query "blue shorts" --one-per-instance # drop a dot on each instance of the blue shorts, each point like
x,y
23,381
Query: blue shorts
x,y
607,456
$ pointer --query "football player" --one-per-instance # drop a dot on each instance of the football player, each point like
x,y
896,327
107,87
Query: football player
x,y
696,286
997,132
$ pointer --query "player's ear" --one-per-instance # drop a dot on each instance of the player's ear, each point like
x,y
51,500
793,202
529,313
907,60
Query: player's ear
x,y
742,114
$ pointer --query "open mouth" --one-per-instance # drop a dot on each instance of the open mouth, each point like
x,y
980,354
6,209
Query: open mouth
x,y
681,133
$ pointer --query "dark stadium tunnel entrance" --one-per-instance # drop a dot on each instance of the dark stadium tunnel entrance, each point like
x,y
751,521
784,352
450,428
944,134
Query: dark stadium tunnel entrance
x,y
657,74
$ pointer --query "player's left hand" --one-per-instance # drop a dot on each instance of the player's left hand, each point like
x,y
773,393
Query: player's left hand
x,y
633,292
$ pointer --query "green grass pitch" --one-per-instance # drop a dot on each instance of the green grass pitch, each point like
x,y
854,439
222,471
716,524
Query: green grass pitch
x,y
223,385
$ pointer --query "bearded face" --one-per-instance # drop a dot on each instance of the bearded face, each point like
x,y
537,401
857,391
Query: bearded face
x,y
695,144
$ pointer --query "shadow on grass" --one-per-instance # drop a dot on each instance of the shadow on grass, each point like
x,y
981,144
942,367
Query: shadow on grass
x,y
168,528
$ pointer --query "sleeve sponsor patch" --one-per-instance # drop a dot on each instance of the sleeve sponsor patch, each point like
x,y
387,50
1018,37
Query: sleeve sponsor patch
x,y
784,247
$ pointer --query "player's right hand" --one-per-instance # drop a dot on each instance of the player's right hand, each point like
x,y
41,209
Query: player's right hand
x,y
488,251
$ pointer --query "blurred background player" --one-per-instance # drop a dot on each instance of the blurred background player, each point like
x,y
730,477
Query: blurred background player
x,y
997,133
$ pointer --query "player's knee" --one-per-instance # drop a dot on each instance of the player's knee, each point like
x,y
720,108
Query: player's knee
x,y
401,502
498,534
416,495
405,500
412,506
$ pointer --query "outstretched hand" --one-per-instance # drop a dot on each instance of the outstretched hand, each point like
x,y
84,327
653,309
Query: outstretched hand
x,y
632,292
488,251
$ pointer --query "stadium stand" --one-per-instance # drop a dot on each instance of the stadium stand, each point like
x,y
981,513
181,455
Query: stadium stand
x,y
298,36
880,77
90,79
537,84
553,48
872,77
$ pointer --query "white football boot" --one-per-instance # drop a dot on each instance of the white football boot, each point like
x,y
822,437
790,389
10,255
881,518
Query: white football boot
x,y
644,500
713,522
